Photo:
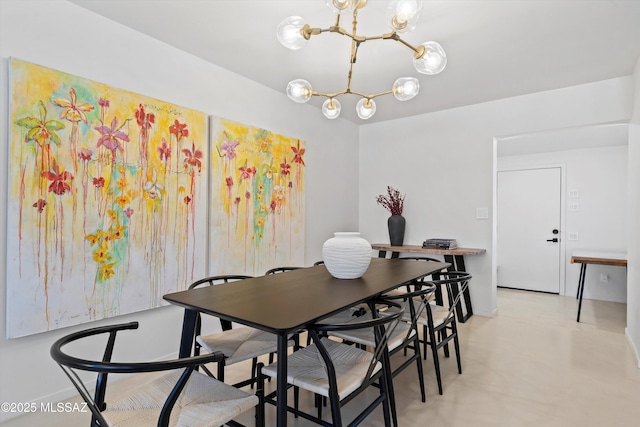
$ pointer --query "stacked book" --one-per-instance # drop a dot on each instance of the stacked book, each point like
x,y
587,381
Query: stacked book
x,y
440,244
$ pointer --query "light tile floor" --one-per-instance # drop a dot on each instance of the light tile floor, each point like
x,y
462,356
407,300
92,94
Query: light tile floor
x,y
531,365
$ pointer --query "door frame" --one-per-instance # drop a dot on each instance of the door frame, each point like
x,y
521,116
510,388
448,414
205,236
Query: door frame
x,y
528,165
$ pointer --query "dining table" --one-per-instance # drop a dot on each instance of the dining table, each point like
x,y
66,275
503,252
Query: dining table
x,y
287,303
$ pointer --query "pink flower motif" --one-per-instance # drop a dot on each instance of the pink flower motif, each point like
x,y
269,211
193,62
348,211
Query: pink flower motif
x,y
247,195
229,181
228,149
85,154
128,212
111,136
236,201
164,150
103,102
187,200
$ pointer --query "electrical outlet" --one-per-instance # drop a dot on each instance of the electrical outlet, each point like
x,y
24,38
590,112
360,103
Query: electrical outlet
x,y
574,207
573,236
574,194
604,278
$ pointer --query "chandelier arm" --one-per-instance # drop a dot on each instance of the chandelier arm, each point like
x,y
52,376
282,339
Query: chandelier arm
x,y
418,52
371,95
330,94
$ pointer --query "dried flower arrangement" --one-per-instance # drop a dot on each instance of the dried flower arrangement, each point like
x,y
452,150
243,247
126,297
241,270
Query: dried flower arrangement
x,y
392,201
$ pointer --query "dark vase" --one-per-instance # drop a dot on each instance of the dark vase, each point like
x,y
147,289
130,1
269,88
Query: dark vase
x,y
396,225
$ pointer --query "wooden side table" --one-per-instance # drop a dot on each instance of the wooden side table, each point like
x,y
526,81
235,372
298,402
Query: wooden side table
x,y
585,256
455,257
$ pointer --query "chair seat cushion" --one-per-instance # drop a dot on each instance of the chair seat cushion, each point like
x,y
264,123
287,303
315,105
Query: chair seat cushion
x,y
204,402
439,313
400,333
306,368
240,344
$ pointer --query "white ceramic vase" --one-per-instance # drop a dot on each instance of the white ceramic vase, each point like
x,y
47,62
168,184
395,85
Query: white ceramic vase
x,y
346,255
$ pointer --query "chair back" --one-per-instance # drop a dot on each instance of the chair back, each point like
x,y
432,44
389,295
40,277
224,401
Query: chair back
x,y
414,298
212,281
455,282
385,315
96,403
277,270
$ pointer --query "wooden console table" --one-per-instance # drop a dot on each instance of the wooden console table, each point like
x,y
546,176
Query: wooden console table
x,y
585,256
453,256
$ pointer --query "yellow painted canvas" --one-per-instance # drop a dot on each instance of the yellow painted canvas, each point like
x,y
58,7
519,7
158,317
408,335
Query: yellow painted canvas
x,y
258,199
107,200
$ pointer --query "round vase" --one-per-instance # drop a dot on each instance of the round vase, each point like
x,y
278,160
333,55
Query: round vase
x,y
396,224
346,255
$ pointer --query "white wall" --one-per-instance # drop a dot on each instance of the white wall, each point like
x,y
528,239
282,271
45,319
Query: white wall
x,y
443,161
633,270
600,176
63,36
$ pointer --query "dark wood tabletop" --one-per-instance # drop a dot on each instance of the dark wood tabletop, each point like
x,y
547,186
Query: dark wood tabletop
x,y
286,302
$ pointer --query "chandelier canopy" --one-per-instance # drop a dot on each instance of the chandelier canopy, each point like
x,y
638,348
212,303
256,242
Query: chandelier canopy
x,y
402,16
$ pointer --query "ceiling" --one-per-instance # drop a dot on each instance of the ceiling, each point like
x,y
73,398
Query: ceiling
x,y
495,48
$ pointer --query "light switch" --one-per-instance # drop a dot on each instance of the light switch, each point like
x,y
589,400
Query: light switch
x,y
573,236
574,207
574,194
482,213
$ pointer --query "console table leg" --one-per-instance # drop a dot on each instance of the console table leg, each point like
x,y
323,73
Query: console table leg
x,y
583,273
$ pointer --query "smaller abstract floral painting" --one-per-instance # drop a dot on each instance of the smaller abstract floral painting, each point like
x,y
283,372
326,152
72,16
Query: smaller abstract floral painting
x,y
258,199
107,200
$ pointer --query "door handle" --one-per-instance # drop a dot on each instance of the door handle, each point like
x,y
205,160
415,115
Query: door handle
x,y
554,240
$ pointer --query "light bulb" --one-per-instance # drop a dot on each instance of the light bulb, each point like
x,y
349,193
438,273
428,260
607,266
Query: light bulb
x,y
299,90
405,88
432,61
331,108
289,33
339,6
404,14
366,108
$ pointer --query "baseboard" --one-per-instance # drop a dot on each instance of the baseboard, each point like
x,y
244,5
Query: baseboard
x,y
632,346
493,313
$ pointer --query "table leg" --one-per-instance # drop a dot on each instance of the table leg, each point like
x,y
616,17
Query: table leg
x,y
583,273
281,392
188,332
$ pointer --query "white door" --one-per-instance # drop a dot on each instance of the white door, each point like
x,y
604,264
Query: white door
x,y
528,222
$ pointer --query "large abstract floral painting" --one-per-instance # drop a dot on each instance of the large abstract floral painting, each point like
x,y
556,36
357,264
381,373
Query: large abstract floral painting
x,y
258,197
107,200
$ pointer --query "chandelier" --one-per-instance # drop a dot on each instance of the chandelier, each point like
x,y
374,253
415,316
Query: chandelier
x,y
402,15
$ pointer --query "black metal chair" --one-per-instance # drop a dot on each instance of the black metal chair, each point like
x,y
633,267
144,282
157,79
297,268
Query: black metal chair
x,y
180,396
339,371
237,344
404,337
439,321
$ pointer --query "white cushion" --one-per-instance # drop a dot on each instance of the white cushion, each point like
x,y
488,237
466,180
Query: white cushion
x,y
240,344
366,336
306,368
204,402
